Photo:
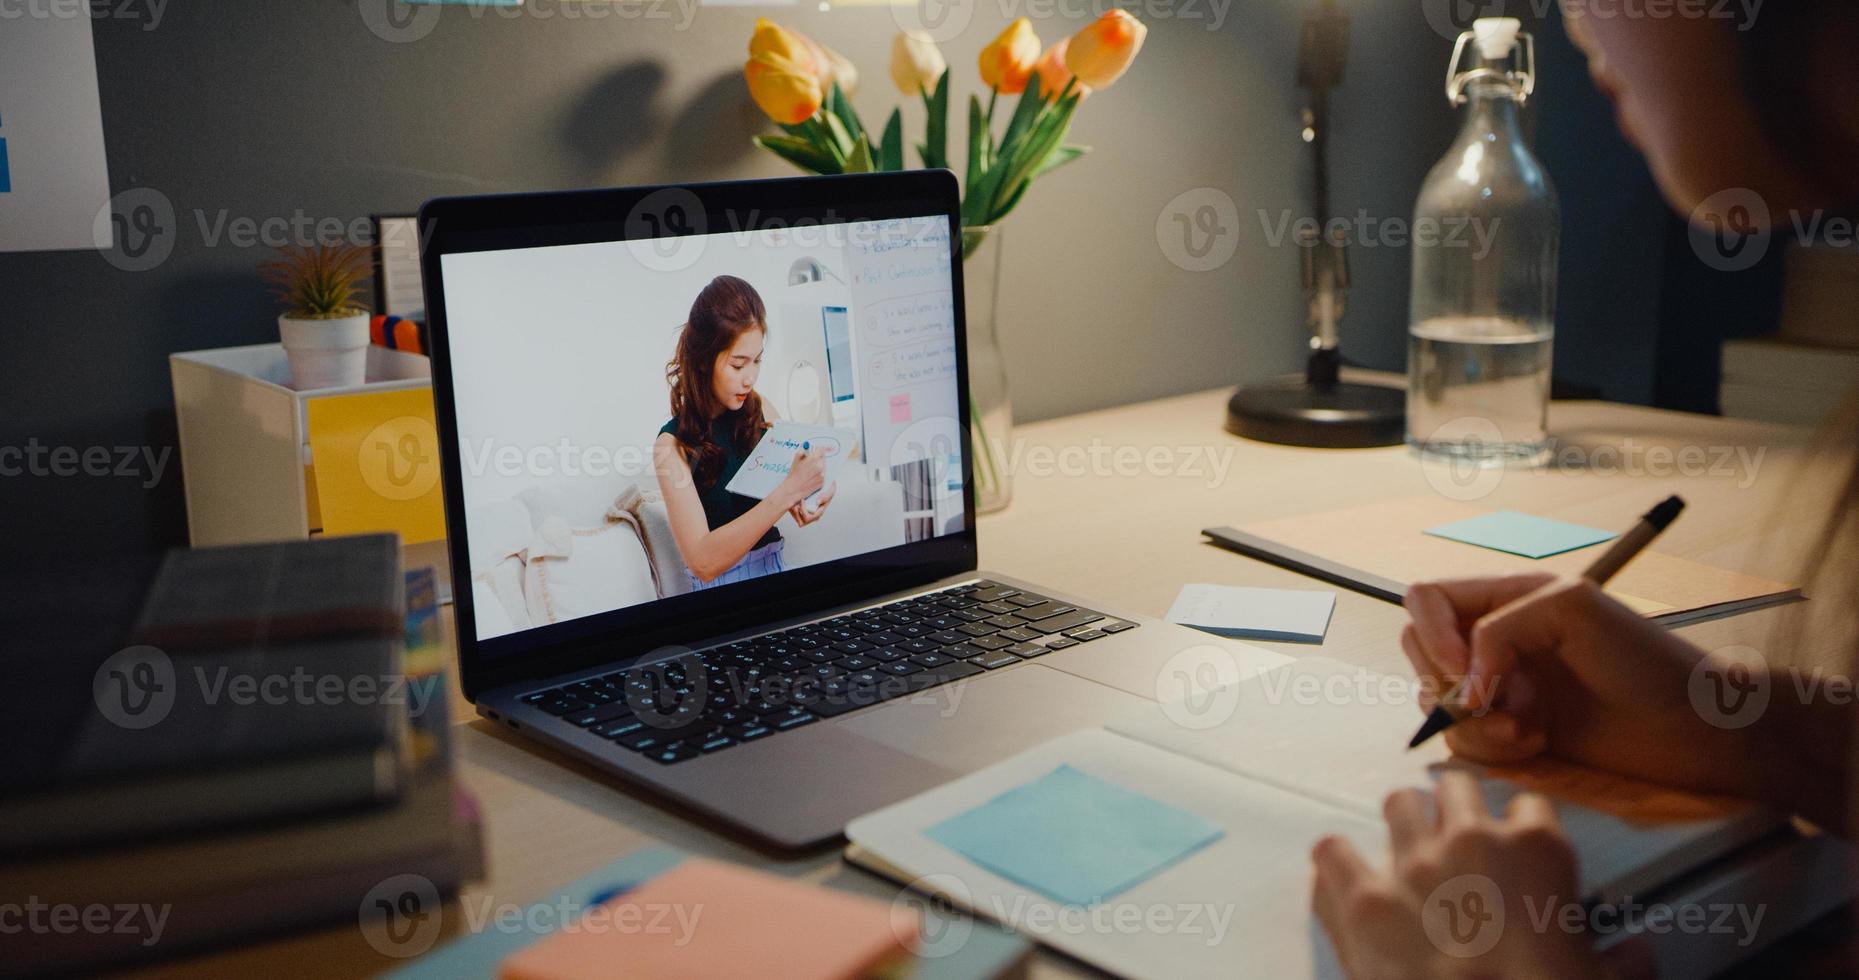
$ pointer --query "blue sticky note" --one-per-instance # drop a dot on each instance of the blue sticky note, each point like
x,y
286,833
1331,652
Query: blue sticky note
x,y
1073,837
1521,534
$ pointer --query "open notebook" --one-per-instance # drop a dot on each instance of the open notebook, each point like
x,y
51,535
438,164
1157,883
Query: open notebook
x,y
1277,762
1382,548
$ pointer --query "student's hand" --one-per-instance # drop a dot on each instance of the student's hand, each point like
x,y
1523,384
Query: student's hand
x,y
1556,667
803,517
805,475
1465,896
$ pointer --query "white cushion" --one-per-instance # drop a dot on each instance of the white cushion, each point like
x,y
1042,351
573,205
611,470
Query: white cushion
x,y
574,572
502,584
497,531
581,501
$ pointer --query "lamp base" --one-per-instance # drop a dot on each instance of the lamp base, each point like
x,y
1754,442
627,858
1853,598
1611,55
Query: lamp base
x,y
1293,411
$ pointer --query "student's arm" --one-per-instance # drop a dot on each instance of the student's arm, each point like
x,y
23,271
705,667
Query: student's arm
x,y
1558,668
710,553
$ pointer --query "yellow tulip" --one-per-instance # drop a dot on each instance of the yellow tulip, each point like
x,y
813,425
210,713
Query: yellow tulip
x,y
788,91
1007,62
1053,74
916,62
1102,52
771,40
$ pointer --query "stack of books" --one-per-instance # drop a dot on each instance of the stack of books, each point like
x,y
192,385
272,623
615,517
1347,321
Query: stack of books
x,y
257,757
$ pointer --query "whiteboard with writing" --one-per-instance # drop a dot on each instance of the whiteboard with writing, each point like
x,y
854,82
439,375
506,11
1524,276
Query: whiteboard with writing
x,y
904,311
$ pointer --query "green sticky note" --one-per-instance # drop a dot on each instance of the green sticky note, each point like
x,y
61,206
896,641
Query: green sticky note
x,y
1074,837
1521,534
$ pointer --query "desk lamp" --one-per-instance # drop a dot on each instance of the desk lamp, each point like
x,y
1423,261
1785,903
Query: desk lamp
x,y
1319,409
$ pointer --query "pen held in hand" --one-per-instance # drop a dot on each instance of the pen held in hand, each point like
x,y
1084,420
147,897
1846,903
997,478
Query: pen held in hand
x,y
1452,707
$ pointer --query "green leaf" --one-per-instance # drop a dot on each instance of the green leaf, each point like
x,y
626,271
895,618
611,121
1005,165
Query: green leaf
x,y
891,144
1024,115
859,161
1058,158
843,111
800,152
935,148
837,139
1046,136
977,132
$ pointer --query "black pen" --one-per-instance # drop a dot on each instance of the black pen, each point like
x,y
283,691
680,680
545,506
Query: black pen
x,y
1451,708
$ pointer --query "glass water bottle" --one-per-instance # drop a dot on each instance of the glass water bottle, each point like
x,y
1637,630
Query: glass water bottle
x,y
1486,228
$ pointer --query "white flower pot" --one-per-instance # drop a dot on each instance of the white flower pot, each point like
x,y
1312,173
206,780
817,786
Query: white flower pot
x,y
330,353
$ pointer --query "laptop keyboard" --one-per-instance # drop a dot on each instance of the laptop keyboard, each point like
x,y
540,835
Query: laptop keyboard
x,y
714,699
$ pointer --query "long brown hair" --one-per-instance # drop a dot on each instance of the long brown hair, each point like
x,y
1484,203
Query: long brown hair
x,y
724,310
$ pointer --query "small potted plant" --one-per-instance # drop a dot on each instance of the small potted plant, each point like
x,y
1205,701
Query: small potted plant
x,y
324,325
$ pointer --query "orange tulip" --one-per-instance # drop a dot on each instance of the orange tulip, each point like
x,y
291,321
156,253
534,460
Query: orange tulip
x,y
1007,62
788,91
825,64
1053,74
771,40
1102,52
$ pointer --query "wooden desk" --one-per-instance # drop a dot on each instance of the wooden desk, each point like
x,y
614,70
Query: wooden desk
x,y
1110,503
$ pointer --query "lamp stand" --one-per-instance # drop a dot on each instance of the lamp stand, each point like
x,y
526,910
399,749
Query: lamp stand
x,y
1319,409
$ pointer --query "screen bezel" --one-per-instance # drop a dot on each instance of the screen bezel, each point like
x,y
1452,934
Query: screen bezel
x,y
512,221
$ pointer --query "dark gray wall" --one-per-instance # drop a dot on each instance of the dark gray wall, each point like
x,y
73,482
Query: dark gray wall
x,y
238,110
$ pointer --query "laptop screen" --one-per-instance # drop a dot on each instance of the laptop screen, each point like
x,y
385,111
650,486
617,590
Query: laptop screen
x,y
643,421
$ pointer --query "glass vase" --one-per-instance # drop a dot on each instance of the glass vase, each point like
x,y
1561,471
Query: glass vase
x,y
990,412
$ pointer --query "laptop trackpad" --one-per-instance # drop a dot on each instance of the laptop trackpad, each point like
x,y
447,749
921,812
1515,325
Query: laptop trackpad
x,y
979,721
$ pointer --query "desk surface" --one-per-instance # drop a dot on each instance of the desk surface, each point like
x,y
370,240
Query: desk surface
x,y
1110,503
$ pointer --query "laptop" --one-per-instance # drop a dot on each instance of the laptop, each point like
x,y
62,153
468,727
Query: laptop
x,y
795,670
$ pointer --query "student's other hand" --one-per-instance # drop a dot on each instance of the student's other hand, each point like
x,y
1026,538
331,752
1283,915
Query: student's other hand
x,y
805,475
1458,898
803,517
1556,667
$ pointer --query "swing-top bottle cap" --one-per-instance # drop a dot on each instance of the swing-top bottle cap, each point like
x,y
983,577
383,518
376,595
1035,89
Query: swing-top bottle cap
x,y
1496,36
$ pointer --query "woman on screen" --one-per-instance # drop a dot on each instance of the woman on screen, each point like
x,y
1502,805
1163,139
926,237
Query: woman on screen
x,y
716,419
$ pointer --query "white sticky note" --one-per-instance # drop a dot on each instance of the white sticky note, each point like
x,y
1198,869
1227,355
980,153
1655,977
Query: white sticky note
x,y
1297,615
768,462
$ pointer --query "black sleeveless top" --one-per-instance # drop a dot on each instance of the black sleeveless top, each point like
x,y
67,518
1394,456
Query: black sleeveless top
x,y
721,506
